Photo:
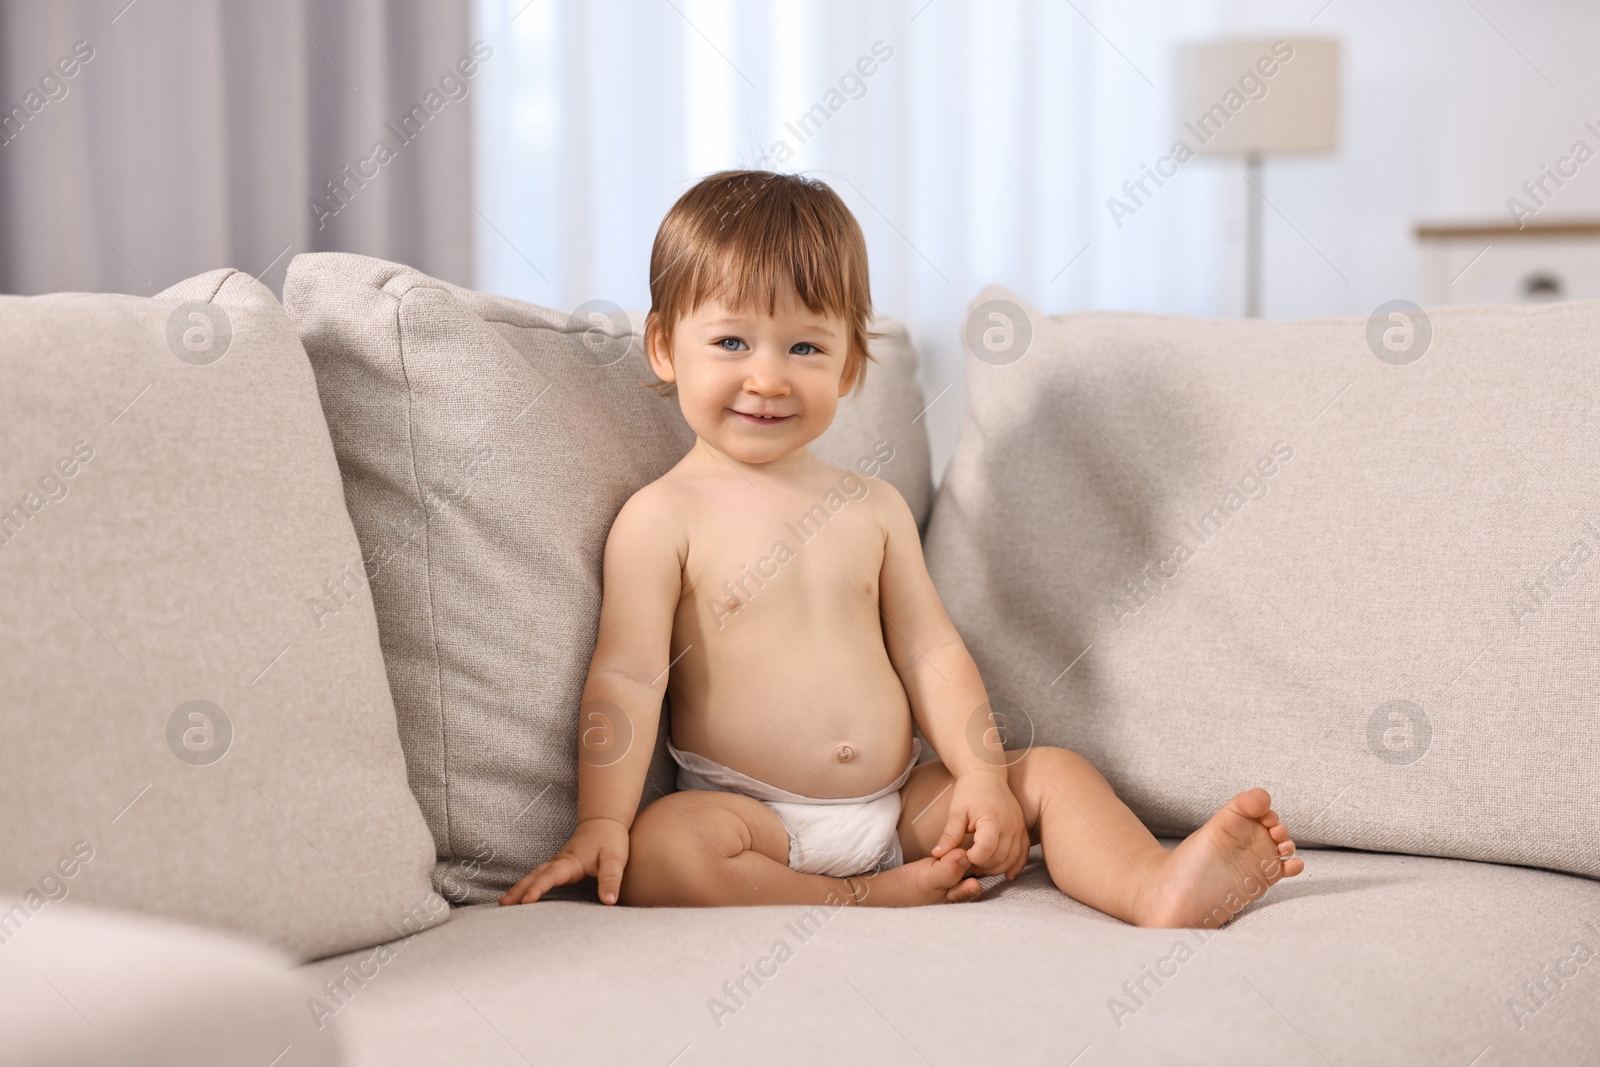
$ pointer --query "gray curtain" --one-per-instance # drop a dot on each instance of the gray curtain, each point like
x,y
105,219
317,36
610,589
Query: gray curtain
x,y
143,143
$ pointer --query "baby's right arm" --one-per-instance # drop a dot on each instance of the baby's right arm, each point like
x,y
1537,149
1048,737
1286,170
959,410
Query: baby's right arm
x,y
621,709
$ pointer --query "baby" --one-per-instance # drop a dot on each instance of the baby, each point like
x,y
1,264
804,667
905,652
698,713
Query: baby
x,y
785,607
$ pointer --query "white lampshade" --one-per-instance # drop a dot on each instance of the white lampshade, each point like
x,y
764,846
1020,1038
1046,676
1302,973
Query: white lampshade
x,y
1257,97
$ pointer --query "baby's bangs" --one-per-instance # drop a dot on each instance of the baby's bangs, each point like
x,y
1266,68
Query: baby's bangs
x,y
760,251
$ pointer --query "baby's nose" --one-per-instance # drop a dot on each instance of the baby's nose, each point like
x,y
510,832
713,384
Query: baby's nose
x,y
767,385
766,377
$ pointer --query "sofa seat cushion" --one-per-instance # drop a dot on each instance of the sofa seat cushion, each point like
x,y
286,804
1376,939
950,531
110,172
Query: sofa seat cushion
x,y
1366,958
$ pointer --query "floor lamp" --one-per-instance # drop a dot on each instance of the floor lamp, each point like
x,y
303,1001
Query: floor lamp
x,y
1254,98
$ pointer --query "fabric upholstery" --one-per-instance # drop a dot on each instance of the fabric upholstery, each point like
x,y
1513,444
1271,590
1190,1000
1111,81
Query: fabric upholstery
x,y
89,987
1209,555
487,445
197,719
1363,959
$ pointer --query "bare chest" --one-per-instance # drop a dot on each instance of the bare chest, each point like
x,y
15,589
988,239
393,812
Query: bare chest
x,y
811,558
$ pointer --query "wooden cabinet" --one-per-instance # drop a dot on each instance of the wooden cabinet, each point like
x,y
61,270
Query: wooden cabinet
x,y
1497,263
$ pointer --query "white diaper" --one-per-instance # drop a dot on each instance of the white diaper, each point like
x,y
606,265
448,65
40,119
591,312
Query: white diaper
x,y
836,836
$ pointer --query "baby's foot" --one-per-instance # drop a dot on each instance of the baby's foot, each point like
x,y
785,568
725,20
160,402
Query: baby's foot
x,y
925,881
1227,863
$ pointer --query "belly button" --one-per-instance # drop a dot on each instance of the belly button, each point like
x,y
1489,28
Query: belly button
x,y
845,752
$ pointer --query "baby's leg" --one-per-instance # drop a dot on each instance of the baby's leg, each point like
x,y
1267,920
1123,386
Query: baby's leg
x,y
702,848
1098,852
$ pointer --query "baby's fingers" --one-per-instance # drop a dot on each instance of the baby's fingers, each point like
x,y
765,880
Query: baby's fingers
x,y
514,894
1021,851
985,840
562,870
610,876
955,831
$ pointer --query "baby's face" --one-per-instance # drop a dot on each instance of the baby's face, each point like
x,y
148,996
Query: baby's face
x,y
757,386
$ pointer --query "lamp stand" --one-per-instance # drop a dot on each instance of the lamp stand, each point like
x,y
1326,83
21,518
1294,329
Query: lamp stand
x,y
1252,236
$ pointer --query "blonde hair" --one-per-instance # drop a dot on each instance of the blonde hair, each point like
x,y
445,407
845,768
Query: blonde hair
x,y
738,235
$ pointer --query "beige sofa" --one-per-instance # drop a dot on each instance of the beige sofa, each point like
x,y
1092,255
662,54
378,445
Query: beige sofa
x,y
297,606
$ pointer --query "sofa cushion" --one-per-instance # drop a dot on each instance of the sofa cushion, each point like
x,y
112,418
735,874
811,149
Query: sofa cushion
x,y
487,445
1362,959
1300,555
90,987
199,720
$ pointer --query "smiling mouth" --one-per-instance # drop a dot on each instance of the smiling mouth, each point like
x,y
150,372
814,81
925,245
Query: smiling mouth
x,y
762,420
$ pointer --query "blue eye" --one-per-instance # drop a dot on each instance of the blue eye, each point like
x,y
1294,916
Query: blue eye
x,y
723,344
811,348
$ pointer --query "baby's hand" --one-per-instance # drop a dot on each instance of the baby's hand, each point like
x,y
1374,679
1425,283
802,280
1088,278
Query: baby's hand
x,y
598,848
982,803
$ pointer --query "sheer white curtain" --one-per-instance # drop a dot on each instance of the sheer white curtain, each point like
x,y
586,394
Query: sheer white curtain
x,y
980,148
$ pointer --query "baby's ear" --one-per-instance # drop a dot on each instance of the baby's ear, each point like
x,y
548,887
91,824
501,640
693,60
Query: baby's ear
x,y
657,349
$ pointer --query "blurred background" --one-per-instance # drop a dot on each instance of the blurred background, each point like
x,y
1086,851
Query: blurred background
x,y
531,147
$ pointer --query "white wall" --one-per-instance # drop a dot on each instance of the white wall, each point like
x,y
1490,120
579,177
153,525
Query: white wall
x,y
1443,119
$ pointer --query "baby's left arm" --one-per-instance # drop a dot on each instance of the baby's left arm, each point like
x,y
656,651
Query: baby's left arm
x,y
947,699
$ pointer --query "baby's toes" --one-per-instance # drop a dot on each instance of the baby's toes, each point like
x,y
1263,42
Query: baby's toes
x,y
1270,819
1279,833
1285,848
969,889
953,865
1254,804
1292,867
